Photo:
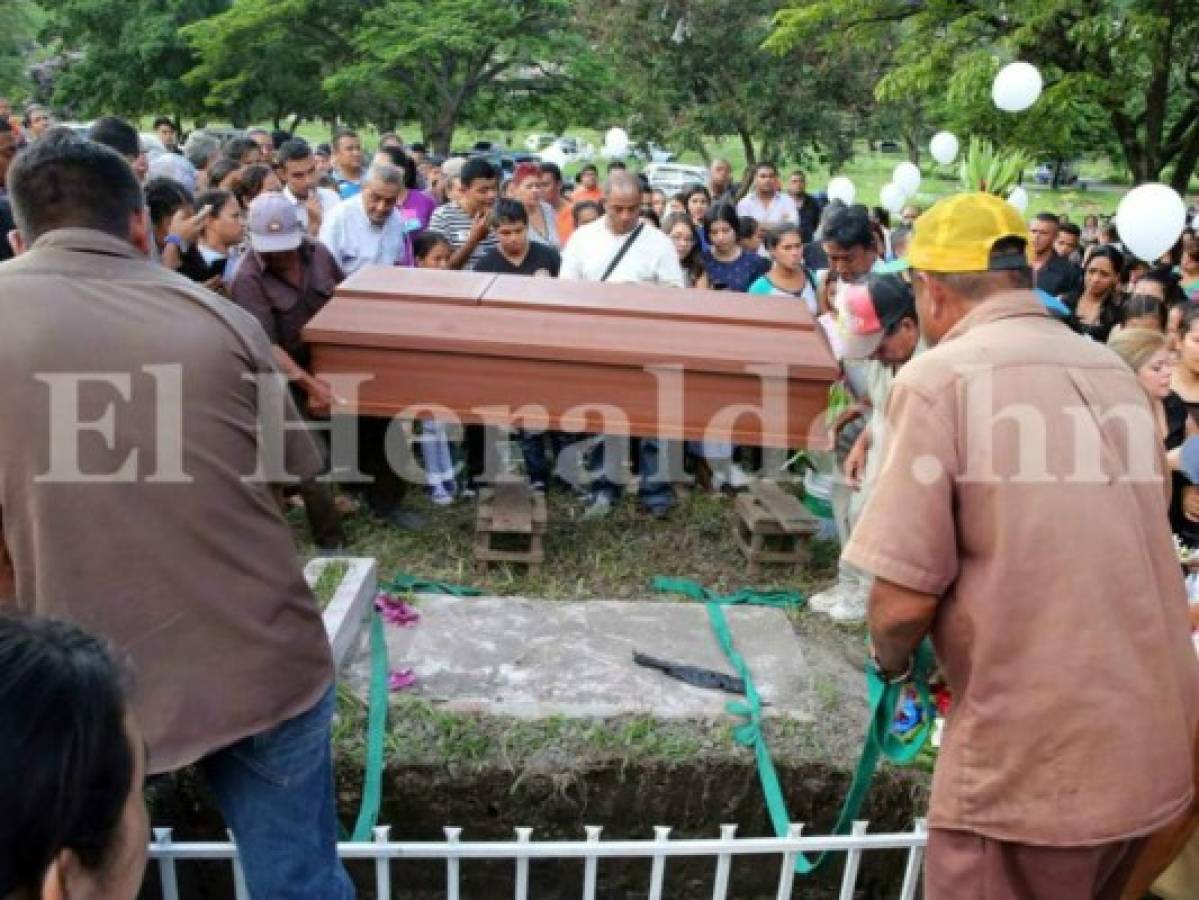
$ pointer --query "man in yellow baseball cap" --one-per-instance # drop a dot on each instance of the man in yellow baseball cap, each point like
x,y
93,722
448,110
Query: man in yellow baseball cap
x,y
1019,517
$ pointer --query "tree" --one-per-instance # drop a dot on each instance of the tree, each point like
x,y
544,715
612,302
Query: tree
x,y
126,57
1120,74
444,62
695,73
22,21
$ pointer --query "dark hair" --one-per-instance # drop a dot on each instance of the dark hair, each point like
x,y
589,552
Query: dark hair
x,y
239,148
217,199
849,227
64,181
339,134
160,121
590,167
617,165
476,169
249,185
1111,254
1139,305
1048,217
293,151
418,147
585,206
690,191
1071,228
27,119
1190,316
692,263
222,169
643,181
279,137
765,164
117,134
1171,286
5,125
403,162
774,236
881,216
165,197
507,210
747,229
552,170
722,212
66,764
426,242
648,213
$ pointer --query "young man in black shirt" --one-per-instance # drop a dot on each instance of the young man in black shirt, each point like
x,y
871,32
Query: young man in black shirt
x,y
515,254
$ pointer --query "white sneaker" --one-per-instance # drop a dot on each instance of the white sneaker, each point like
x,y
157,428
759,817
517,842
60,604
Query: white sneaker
x,y
442,497
738,480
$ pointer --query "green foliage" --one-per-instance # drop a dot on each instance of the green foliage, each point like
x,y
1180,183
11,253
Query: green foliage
x,y
694,70
989,170
22,21
1121,75
125,57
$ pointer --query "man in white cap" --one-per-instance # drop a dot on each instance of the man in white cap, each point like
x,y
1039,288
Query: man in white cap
x,y
283,282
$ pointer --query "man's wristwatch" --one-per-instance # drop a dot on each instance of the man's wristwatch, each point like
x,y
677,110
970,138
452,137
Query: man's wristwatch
x,y
889,677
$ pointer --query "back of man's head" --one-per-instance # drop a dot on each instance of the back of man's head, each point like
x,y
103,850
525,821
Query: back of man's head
x,y
117,134
200,148
64,181
848,227
165,197
239,149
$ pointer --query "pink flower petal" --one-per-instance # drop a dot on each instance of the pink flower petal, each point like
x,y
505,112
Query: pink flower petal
x,y
401,680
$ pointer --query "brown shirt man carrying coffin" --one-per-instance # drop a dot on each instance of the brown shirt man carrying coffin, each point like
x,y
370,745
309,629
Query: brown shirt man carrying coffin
x,y
134,501
1020,517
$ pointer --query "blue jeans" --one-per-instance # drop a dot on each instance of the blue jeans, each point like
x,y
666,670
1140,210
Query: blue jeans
x,y
656,492
275,790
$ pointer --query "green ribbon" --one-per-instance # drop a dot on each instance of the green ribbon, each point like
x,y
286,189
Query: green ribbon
x,y
880,741
376,721
405,583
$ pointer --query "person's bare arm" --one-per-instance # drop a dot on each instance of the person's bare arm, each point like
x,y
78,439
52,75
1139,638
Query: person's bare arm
x,y
320,393
478,231
899,618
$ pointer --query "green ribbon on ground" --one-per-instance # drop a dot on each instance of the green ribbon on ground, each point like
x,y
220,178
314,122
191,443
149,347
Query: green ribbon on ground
x,y
403,583
881,742
376,721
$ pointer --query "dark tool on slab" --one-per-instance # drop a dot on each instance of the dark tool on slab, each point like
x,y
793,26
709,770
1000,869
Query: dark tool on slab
x,y
693,675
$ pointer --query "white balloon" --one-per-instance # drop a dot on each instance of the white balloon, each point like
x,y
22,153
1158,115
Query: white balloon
x,y
944,147
892,197
616,141
1018,197
841,188
554,154
1150,220
1016,87
907,177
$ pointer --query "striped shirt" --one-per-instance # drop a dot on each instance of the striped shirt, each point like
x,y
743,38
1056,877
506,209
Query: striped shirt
x,y
453,223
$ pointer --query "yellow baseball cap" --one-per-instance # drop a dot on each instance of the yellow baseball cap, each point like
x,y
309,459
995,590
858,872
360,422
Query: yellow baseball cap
x,y
959,233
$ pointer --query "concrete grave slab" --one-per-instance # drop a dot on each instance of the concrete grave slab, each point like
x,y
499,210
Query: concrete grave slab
x,y
534,658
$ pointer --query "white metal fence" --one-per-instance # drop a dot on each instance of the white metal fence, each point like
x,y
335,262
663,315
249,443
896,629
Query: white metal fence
x,y
167,854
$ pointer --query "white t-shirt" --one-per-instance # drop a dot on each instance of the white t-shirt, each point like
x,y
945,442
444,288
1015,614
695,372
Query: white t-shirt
x,y
328,198
650,259
780,209
355,242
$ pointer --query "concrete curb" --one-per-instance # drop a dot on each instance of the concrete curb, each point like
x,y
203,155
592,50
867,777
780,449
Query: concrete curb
x,y
350,605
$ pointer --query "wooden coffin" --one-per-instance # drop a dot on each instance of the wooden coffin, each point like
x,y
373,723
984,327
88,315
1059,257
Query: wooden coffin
x,y
578,356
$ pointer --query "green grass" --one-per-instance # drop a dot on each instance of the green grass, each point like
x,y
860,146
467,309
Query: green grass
x,y
327,582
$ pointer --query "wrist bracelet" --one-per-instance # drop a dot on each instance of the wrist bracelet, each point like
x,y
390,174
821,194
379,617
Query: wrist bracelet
x,y
176,241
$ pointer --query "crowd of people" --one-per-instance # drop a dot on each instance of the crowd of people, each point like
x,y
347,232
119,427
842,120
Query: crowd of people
x,y
193,273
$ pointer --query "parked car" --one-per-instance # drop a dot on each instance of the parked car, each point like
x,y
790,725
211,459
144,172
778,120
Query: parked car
x,y
501,159
1067,173
535,142
651,152
671,177
889,146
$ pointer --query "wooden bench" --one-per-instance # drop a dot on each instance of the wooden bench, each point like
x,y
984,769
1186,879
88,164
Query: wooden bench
x,y
772,526
510,524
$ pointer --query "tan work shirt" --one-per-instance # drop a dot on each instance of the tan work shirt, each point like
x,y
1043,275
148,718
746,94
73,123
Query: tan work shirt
x,y
1022,485
198,583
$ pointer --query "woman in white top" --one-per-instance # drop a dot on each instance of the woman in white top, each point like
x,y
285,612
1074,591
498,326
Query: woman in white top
x,y
526,187
787,276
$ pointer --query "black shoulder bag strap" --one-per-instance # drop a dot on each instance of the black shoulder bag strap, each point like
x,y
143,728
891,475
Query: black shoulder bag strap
x,y
624,248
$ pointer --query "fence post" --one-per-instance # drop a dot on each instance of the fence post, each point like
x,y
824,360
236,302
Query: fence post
x,y
240,891
591,863
911,877
724,862
452,887
787,875
522,865
853,861
657,873
382,864
167,876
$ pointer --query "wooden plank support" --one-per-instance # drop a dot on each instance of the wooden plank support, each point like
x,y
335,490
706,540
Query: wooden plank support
x,y
772,526
510,525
